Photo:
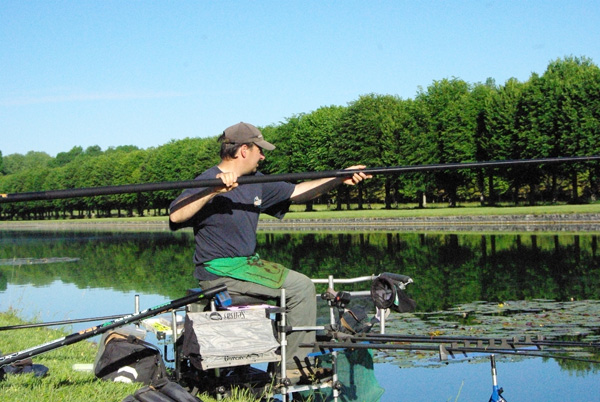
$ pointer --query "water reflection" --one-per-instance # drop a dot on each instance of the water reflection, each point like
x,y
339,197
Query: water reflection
x,y
448,268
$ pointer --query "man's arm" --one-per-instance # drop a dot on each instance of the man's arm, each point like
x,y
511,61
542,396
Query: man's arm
x,y
186,208
309,190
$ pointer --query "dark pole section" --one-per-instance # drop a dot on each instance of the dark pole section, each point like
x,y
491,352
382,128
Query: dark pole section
x,y
63,322
102,328
450,349
140,188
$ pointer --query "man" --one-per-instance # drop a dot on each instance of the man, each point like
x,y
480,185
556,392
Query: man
x,y
225,219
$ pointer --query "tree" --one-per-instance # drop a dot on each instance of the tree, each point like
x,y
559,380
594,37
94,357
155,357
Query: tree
x,y
93,150
481,96
451,130
15,163
578,115
411,135
290,151
367,135
122,148
174,161
558,116
499,130
63,158
304,143
555,114
127,166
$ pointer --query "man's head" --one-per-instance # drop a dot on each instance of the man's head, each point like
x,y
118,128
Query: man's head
x,y
243,143
244,133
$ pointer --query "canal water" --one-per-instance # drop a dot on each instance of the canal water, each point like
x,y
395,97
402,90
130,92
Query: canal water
x,y
500,285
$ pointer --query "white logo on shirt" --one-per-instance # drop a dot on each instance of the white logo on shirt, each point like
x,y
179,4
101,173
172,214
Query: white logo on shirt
x,y
257,201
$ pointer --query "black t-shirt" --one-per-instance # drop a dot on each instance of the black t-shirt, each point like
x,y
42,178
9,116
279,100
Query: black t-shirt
x,y
226,226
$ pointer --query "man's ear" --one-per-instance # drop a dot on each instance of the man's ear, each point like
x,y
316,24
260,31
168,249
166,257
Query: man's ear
x,y
243,151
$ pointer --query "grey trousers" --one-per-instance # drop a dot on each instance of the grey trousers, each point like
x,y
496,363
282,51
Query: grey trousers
x,y
301,304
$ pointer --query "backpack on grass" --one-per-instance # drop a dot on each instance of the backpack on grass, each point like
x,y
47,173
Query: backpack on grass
x,y
127,358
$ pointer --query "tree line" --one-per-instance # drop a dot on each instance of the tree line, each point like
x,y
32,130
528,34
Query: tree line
x,y
553,114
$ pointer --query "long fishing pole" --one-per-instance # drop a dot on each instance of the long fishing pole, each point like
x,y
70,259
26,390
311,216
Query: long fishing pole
x,y
468,340
251,179
442,349
102,328
63,322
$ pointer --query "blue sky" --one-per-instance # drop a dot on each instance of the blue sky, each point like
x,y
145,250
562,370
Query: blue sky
x,y
110,73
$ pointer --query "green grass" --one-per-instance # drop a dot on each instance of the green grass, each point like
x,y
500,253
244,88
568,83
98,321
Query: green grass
x,y
62,383
433,210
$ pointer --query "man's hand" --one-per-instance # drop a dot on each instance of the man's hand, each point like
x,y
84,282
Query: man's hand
x,y
188,207
229,180
356,177
309,190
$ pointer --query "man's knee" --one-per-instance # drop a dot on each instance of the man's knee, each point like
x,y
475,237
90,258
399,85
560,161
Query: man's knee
x,y
300,283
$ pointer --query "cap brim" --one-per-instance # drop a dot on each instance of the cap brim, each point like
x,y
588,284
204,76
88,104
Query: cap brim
x,y
265,145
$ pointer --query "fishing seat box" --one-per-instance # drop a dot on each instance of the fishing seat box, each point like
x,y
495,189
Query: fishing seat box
x,y
239,335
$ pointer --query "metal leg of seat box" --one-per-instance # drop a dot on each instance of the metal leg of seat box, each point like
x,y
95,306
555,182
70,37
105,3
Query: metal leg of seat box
x,y
283,344
285,388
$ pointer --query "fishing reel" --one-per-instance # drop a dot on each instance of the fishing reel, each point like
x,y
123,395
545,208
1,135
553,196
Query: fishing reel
x,y
349,321
336,299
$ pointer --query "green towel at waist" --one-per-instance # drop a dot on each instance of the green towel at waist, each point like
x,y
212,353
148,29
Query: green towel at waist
x,y
251,269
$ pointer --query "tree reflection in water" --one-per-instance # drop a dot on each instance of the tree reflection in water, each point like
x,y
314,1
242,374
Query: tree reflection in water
x,y
447,268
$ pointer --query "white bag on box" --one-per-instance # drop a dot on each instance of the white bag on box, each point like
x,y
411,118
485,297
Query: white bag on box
x,y
229,338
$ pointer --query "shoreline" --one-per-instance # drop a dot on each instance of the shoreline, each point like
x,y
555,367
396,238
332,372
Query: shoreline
x,y
579,222
528,222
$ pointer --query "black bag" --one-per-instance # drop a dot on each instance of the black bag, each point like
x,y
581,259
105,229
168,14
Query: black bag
x,y
23,367
355,321
162,391
129,359
387,291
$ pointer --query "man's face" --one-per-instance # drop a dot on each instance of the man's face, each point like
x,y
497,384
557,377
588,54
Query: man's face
x,y
255,155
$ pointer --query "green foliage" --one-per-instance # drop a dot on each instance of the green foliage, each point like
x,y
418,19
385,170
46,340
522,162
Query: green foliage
x,y
367,136
451,131
17,163
177,160
550,115
63,158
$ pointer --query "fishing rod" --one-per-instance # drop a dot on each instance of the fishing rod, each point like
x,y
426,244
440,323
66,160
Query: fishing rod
x,y
448,345
503,343
63,322
252,179
443,350
102,328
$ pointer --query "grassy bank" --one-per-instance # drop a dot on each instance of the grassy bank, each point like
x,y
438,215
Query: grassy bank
x,y
62,383
439,210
